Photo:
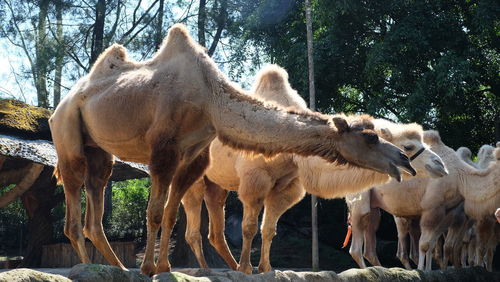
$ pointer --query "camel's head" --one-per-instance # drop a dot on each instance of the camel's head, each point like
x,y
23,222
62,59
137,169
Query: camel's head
x,y
360,145
409,137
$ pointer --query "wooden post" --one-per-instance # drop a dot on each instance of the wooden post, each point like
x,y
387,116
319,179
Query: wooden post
x,y
312,106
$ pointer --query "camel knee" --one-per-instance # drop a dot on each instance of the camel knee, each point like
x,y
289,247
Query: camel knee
x,y
72,231
249,230
424,246
216,240
193,238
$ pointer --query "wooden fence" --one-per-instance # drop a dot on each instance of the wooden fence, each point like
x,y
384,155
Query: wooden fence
x,y
63,254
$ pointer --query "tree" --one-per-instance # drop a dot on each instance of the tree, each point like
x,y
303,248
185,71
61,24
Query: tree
x,y
312,106
432,62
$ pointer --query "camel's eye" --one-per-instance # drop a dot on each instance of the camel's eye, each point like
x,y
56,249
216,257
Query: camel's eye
x,y
371,138
409,147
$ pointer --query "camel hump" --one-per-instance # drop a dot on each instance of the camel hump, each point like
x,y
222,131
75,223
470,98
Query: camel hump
x,y
432,137
272,75
112,59
272,84
177,41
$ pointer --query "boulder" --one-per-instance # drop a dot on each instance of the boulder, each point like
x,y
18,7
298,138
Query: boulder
x,y
106,273
29,275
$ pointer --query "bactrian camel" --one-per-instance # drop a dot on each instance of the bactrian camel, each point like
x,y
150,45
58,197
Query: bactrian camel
x,y
279,183
479,190
164,112
440,201
401,200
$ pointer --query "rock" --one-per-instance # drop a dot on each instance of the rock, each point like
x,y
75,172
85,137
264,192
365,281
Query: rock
x,y
378,273
103,273
107,273
29,275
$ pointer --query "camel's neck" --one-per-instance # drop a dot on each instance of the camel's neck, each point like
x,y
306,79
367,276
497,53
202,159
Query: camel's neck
x,y
333,181
245,123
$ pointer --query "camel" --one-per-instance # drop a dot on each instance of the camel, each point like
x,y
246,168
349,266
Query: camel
x,y
437,201
465,155
279,183
479,191
164,112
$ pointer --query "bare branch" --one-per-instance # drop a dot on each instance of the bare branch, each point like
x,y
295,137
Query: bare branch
x,y
33,172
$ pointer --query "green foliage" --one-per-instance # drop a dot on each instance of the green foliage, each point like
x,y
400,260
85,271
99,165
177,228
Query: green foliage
x,y
432,62
13,220
130,200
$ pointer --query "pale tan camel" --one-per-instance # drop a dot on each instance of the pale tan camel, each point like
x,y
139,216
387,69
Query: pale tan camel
x,y
164,112
480,191
403,200
274,184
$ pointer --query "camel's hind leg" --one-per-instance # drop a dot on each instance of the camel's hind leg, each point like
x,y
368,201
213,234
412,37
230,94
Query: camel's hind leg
x,y
72,173
276,203
99,166
192,203
184,177
215,199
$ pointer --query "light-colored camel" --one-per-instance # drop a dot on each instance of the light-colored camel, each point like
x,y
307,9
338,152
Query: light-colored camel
x,y
465,154
164,112
456,220
480,191
274,183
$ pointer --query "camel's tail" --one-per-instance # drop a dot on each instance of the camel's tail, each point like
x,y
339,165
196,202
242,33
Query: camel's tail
x,y
347,236
57,175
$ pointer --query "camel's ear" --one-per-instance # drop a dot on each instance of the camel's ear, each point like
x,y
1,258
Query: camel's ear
x,y
341,124
386,134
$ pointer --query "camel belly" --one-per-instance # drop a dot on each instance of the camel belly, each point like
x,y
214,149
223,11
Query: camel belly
x,y
132,150
399,203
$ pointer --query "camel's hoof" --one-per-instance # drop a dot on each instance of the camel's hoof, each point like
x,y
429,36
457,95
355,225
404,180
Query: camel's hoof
x,y
148,269
264,268
163,267
245,268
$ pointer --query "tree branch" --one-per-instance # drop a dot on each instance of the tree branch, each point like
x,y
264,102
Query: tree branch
x,y
33,172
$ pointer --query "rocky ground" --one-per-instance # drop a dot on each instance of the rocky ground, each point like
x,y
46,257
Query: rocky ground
x,y
104,273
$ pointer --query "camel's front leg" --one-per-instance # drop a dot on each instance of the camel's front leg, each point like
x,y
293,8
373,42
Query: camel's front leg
x,y
402,225
358,226
371,239
484,230
414,238
276,203
184,177
215,200
254,185
192,203
162,167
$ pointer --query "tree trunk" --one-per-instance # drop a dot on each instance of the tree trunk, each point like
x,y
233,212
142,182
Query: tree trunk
x,y
312,106
41,56
221,24
159,25
183,256
59,54
108,203
98,32
39,202
202,18
497,130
